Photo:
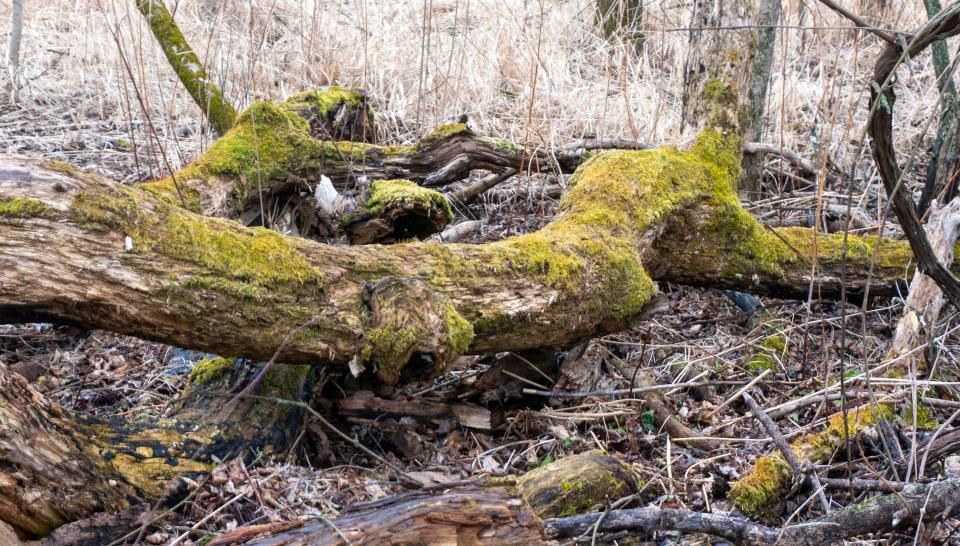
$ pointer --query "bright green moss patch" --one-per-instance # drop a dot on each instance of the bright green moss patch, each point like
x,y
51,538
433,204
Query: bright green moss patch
x,y
760,491
773,348
323,101
265,144
504,146
770,477
235,260
441,133
166,190
459,332
926,420
68,169
206,370
386,194
18,207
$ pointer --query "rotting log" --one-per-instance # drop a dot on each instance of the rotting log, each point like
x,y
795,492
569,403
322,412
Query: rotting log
x,y
274,149
81,249
58,466
484,512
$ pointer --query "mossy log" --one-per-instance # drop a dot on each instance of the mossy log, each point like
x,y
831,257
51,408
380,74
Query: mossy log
x,y
58,466
85,250
485,512
759,491
276,148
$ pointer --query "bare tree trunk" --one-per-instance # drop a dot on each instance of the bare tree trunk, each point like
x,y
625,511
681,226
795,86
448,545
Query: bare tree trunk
x,y
942,170
751,179
13,49
727,71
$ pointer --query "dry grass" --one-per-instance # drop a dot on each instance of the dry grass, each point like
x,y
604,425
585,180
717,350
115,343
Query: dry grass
x,y
533,71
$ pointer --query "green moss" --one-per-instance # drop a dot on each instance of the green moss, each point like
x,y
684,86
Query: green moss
x,y
266,144
770,477
926,420
18,207
459,332
207,370
166,189
236,260
761,490
63,167
772,348
187,65
285,381
504,146
441,133
388,346
327,100
386,194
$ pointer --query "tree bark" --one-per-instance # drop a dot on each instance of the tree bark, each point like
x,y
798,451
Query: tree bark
x,y
185,63
120,259
57,466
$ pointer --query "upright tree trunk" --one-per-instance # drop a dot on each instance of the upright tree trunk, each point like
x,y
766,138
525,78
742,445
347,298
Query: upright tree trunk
x,y
727,72
13,49
942,169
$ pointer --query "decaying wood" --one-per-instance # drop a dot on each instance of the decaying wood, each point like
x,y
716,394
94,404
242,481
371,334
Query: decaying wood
x,y
125,260
57,466
922,307
903,510
476,513
364,404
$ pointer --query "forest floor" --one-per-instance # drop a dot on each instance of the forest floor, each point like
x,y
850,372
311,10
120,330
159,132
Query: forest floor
x,y
94,119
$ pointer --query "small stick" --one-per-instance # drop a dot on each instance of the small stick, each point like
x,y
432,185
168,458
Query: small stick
x,y
737,394
353,441
248,390
781,443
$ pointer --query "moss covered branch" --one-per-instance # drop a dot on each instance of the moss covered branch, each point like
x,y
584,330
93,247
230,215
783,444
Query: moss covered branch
x,y
187,65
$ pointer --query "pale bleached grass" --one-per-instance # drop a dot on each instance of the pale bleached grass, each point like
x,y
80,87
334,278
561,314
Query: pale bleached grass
x,y
533,71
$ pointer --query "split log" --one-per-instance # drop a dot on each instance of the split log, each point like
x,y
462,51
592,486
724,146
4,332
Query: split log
x,y
496,512
58,466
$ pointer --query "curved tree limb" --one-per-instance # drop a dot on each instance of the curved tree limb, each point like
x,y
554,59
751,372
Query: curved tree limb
x,y
187,65
880,129
118,258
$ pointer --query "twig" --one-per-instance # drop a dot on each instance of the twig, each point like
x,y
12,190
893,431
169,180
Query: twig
x,y
882,34
784,447
353,441
248,390
737,394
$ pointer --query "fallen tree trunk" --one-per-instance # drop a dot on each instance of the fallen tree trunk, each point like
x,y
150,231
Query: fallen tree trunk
x,y
484,513
85,250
